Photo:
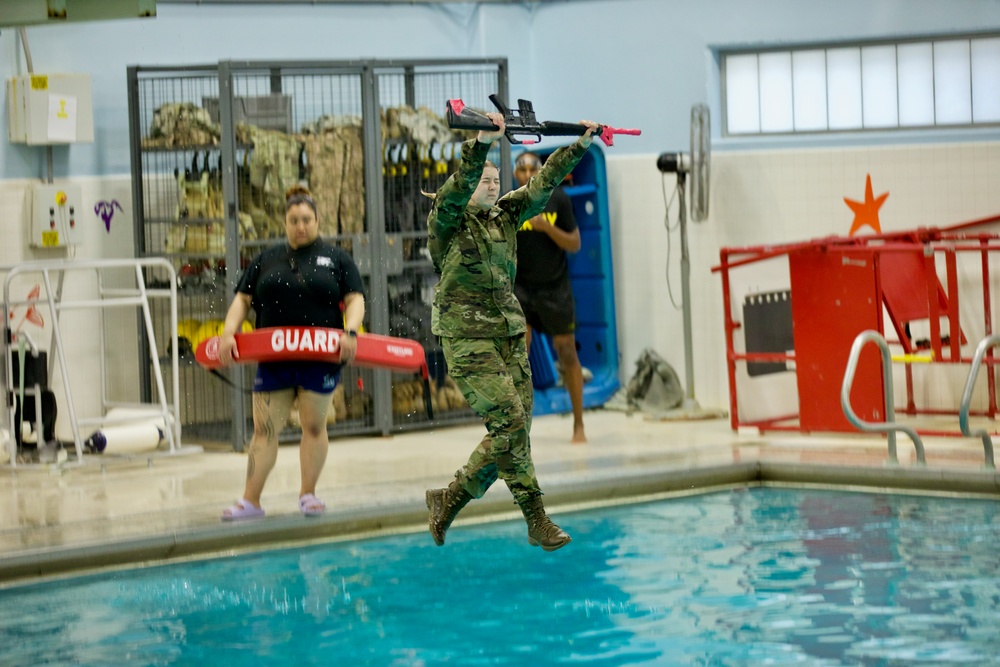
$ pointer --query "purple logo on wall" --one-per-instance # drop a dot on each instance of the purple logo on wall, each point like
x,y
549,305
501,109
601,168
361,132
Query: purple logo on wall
x,y
106,209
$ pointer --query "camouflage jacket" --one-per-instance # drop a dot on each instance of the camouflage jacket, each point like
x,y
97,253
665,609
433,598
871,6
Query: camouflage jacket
x,y
475,253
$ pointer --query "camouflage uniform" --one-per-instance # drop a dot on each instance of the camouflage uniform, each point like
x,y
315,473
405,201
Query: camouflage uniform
x,y
181,124
478,317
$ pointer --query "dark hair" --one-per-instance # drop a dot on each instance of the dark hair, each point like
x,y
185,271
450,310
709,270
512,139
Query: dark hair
x,y
299,194
525,157
433,195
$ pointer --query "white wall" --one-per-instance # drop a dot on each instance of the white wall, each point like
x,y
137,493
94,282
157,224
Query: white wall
x,y
633,63
200,35
643,63
764,197
79,328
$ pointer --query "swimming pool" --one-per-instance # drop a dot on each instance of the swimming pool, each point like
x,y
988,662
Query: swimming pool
x,y
744,577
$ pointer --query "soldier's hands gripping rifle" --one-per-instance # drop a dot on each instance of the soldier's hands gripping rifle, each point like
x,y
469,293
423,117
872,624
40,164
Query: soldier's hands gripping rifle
x,y
524,123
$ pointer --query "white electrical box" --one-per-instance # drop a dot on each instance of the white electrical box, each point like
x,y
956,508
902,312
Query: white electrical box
x,y
56,212
58,12
46,109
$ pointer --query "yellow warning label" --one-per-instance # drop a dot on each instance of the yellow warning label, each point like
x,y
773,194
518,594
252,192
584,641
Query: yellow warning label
x,y
39,82
50,239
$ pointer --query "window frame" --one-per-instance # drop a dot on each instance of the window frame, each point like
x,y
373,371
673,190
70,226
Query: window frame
x,y
723,53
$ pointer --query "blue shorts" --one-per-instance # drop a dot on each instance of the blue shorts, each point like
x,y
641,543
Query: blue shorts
x,y
316,376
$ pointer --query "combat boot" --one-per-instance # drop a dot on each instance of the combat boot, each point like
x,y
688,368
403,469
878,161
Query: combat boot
x,y
444,505
541,531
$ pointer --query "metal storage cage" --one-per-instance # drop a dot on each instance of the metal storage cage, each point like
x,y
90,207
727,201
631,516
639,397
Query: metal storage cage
x,y
213,149
419,153
293,123
176,194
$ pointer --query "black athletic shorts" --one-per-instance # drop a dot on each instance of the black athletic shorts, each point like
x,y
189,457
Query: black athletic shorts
x,y
548,309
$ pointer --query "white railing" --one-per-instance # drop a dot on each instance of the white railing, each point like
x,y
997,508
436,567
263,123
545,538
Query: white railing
x,y
985,345
166,406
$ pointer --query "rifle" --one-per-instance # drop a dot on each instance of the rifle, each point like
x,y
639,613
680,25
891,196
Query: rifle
x,y
523,122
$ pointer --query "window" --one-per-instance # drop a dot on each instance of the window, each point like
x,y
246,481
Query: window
x,y
951,82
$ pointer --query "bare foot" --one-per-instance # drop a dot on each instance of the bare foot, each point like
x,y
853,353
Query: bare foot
x,y
579,437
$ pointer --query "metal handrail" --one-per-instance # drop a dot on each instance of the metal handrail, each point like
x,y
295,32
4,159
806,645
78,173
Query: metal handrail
x,y
137,296
889,427
963,411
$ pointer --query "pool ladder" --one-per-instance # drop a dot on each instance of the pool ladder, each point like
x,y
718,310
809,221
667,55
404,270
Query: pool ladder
x,y
984,346
889,426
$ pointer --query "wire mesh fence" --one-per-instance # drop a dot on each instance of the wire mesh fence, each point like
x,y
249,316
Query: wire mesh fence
x,y
182,218
419,153
300,123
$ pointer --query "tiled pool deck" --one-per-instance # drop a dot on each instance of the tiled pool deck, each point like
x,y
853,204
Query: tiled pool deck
x,y
154,508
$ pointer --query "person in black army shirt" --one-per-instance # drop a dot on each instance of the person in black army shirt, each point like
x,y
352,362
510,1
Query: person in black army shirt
x,y
543,285
472,238
298,283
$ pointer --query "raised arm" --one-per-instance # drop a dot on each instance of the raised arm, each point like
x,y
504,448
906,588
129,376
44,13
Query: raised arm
x,y
530,200
451,199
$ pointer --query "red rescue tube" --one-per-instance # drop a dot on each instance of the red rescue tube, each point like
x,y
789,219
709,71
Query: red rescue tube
x,y
318,344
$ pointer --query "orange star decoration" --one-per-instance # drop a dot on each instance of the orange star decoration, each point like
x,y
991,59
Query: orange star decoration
x,y
866,213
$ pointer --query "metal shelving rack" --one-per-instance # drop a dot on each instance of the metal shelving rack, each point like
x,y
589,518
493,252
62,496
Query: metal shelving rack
x,y
215,146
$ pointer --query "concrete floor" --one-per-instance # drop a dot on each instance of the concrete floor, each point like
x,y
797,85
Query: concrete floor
x,y
113,510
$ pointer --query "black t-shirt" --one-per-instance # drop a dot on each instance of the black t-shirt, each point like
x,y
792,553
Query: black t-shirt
x,y
540,262
301,287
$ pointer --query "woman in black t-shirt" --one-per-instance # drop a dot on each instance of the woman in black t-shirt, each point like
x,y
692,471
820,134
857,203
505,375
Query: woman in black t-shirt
x,y
298,283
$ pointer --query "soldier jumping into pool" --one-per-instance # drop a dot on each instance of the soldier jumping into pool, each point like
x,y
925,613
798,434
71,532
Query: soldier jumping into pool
x,y
473,246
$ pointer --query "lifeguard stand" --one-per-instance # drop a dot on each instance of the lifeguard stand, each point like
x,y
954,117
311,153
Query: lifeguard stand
x,y
840,287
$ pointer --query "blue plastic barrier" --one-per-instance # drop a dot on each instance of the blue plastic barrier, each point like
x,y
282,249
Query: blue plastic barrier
x,y
593,290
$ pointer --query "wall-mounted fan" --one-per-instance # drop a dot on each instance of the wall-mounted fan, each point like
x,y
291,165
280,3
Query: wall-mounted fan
x,y
701,148
696,164
692,171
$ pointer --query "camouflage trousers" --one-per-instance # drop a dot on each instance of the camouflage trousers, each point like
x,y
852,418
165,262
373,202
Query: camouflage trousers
x,y
494,376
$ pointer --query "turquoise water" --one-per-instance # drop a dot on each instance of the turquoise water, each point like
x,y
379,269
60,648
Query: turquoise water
x,y
747,577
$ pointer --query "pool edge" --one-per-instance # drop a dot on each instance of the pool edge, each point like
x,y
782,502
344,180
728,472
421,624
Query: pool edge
x,y
563,493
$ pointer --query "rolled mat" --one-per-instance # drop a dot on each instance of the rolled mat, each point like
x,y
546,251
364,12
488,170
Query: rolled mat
x,y
125,415
126,438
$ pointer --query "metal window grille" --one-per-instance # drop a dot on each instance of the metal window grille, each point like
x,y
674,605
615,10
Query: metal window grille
x,y
886,85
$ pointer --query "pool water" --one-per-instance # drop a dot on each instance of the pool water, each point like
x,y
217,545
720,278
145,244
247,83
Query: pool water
x,y
743,577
